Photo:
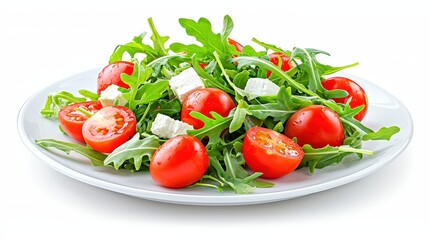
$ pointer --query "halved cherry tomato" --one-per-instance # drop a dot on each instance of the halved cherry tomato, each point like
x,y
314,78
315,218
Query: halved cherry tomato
x,y
270,152
315,125
71,120
274,58
179,162
205,100
111,74
109,128
236,44
355,91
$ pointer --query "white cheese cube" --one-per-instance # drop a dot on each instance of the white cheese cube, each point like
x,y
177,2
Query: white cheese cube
x,y
110,95
166,127
257,87
184,83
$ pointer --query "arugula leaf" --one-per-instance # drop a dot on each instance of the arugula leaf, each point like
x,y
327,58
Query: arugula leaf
x,y
213,127
133,150
326,69
140,76
132,48
150,92
158,40
88,94
322,157
239,116
282,109
384,133
209,80
56,101
202,32
96,158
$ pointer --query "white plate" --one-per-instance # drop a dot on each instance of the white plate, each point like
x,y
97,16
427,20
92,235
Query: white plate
x,y
384,110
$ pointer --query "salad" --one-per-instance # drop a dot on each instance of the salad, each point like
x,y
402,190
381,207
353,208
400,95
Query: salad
x,y
214,113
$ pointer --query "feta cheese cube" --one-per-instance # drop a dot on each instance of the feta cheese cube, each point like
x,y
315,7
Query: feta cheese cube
x,y
110,95
166,127
184,83
257,87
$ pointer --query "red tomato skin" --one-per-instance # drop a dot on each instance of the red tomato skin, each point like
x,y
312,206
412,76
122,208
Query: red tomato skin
x,y
108,118
356,92
315,125
71,121
274,59
266,158
236,44
205,100
179,162
111,74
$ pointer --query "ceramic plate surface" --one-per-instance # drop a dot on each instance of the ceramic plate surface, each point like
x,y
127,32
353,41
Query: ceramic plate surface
x,y
384,110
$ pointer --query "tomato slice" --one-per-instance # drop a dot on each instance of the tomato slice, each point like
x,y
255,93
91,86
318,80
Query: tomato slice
x,y
111,74
179,162
270,152
71,120
109,128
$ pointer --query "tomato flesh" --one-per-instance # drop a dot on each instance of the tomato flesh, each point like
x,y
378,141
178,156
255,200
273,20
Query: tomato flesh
x,y
271,153
205,100
179,162
109,128
315,125
356,93
274,58
72,120
111,74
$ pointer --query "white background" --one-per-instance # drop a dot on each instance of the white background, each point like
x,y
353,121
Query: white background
x,y
42,42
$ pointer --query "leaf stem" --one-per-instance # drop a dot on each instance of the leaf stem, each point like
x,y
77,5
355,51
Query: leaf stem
x,y
84,111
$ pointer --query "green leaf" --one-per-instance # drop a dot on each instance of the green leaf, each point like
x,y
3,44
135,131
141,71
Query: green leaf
x,y
134,149
271,47
240,113
233,165
384,133
158,40
132,48
240,80
139,77
282,109
56,101
322,157
88,94
213,127
150,92
228,25
203,33
326,69
96,158
210,80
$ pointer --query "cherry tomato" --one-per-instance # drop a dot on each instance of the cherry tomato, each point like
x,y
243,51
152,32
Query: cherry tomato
x,y
71,120
179,162
315,125
274,58
270,152
109,128
111,74
205,100
236,44
355,91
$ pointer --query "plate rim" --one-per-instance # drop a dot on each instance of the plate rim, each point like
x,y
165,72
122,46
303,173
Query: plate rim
x,y
221,200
